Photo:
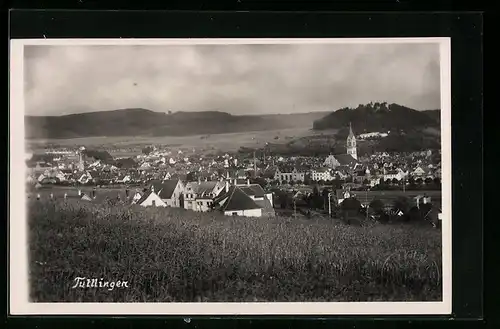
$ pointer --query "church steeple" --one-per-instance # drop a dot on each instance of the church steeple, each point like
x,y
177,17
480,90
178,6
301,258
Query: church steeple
x,y
351,143
351,134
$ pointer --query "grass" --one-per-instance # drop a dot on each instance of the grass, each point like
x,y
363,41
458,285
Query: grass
x,y
173,255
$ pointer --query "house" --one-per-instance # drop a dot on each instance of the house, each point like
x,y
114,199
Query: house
x,y
334,161
421,199
85,197
321,174
234,202
136,197
85,178
199,196
418,172
170,191
341,195
374,181
392,174
360,175
150,199
288,174
261,198
124,179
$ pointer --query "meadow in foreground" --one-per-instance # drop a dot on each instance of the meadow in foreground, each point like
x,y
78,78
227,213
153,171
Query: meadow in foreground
x,y
174,255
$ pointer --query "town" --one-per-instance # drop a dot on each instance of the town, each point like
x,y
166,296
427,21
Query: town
x,y
379,186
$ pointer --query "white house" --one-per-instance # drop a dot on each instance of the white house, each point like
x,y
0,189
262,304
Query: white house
x,y
85,178
170,191
323,174
137,196
234,202
418,172
151,199
288,174
198,196
342,195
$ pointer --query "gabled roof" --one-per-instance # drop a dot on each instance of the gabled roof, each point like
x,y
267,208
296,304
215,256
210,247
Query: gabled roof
x,y
237,200
253,190
203,187
165,188
345,159
144,197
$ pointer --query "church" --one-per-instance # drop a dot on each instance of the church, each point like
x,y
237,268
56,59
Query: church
x,y
349,159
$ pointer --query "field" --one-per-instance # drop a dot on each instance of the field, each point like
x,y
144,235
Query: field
x,y
224,142
173,255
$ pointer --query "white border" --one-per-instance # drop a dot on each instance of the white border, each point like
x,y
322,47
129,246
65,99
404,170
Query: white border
x,y
19,304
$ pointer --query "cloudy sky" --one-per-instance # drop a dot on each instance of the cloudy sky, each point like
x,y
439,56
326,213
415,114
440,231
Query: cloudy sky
x,y
239,79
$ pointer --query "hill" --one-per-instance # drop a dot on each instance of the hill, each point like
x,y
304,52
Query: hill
x,y
143,122
379,117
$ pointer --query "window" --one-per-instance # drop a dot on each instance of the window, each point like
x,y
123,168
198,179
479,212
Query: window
x,y
153,203
234,213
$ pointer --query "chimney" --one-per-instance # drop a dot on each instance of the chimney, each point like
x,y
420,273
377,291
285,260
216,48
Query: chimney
x,y
79,192
227,186
152,188
248,181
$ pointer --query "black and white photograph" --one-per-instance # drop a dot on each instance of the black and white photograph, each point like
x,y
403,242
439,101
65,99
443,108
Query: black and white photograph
x,y
230,176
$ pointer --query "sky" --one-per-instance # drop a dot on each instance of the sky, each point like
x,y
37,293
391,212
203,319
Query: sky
x,y
238,79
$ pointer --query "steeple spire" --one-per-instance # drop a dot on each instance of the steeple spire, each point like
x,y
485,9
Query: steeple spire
x,y
350,130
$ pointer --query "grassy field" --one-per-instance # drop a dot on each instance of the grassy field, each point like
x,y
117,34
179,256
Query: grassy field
x,y
224,142
169,255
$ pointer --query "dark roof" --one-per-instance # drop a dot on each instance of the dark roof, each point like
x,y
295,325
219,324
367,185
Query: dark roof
x,y
165,188
253,190
203,187
144,197
345,159
237,200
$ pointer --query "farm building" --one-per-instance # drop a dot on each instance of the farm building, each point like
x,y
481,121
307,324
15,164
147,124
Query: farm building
x,y
170,191
234,202
151,199
198,196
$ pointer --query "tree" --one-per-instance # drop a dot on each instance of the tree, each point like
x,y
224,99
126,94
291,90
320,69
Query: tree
x,y
437,182
366,181
191,176
419,181
401,203
395,181
147,150
350,207
428,181
377,206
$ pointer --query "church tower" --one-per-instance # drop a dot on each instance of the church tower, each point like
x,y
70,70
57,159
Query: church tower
x,y
81,163
351,144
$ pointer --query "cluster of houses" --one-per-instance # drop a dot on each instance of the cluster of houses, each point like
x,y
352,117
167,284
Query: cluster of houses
x,y
231,197
201,183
